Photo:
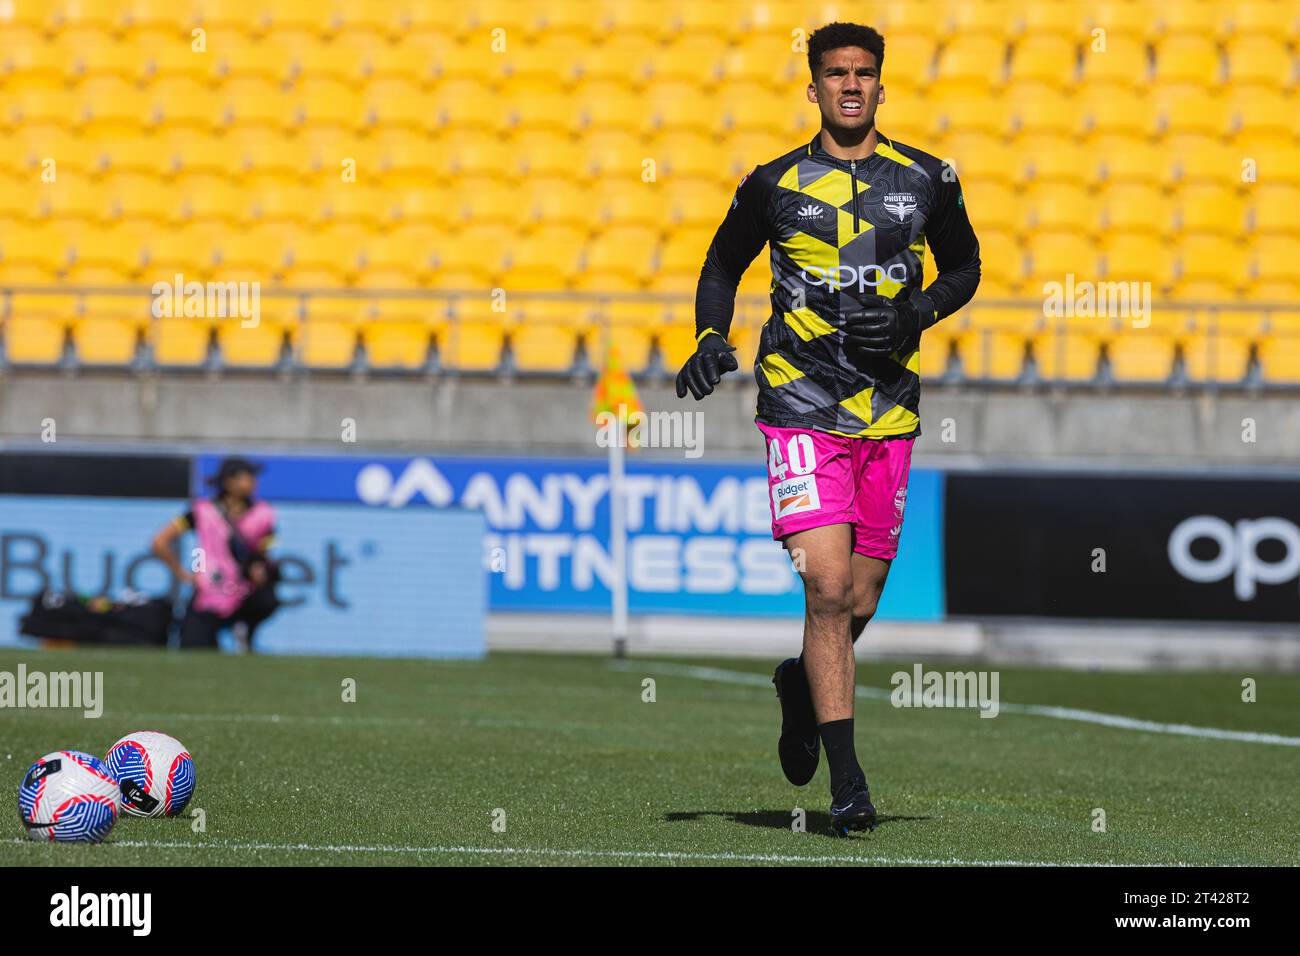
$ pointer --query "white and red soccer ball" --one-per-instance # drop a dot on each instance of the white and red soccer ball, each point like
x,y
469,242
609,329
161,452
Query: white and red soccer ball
x,y
155,773
69,797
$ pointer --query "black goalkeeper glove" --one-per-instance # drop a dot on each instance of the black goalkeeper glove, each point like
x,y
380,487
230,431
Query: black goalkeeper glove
x,y
704,369
887,325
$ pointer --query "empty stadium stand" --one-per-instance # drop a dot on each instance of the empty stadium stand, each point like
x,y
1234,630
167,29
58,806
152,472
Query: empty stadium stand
x,y
498,185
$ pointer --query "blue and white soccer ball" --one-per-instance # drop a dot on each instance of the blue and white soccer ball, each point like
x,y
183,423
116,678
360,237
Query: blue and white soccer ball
x,y
155,773
69,797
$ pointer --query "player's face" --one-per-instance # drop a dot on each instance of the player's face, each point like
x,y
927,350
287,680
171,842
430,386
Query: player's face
x,y
847,89
242,485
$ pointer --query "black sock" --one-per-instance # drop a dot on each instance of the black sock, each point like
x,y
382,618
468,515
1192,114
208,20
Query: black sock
x,y
837,739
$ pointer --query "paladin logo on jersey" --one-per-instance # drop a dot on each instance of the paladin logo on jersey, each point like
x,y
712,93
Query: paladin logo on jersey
x,y
795,495
900,205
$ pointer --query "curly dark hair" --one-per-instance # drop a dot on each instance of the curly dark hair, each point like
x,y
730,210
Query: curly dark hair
x,y
835,35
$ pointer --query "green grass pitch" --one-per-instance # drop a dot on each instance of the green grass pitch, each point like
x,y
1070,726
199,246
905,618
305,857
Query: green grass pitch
x,y
584,771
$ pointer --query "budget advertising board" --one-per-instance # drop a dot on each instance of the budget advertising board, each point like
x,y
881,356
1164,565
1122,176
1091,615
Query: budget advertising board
x,y
355,581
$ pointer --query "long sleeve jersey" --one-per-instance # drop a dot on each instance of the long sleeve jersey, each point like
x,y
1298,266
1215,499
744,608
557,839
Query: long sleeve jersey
x,y
841,231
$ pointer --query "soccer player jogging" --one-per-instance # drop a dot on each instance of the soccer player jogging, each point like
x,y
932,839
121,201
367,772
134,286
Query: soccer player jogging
x,y
847,217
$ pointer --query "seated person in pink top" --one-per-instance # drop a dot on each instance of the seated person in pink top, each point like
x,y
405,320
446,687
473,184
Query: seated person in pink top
x,y
233,577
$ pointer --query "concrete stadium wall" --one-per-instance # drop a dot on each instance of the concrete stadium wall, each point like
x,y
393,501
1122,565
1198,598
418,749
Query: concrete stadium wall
x,y
963,427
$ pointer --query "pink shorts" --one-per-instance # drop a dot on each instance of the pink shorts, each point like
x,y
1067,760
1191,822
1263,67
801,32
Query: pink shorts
x,y
817,479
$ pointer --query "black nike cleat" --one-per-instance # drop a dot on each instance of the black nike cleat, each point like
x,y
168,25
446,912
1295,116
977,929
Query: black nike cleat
x,y
851,809
800,745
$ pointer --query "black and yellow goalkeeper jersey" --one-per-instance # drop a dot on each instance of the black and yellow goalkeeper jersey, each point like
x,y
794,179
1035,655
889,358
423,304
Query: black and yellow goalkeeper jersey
x,y
840,231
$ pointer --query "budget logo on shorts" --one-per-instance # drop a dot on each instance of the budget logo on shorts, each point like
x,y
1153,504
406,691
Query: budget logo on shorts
x,y
794,496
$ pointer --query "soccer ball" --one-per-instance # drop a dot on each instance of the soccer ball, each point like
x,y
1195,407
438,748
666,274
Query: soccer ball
x,y
155,772
69,797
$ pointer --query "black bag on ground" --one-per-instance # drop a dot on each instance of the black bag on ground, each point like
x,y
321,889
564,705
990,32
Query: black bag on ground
x,y
59,616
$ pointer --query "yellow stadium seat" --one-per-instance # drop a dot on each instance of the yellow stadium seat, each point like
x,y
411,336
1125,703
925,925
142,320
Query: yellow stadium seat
x,y
1259,113
1052,20
1053,159
112,101
628,325
35,328
685,156
473,342
327,336
1135,208
918,18
544,153
1279,352
1275,259
547,260
1188,111
144,198
1042,110
1210,209
257,344
1129,160
994,205
1189,59
1066,352
251,16
1261,18
676,341
182,102
978,18
473,258
1272,209
1261,61
971,61
984,158
398,336
968,113
179,341
38,65
1141,354
1107,110
620,259
936,351
679,260
1123,62
620,63
1187,18
1046,59
755,62
1139,258
1054,255
1002,260
107,329
1272,159
263,247
1216,357
991,353
1061,208
193,250
42,105
1213,257
539,347
399,259
679,107
556,202
569,18
694,58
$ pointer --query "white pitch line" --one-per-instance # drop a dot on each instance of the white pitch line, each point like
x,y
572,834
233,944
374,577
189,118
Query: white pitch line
x,y
600,854
1036,710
